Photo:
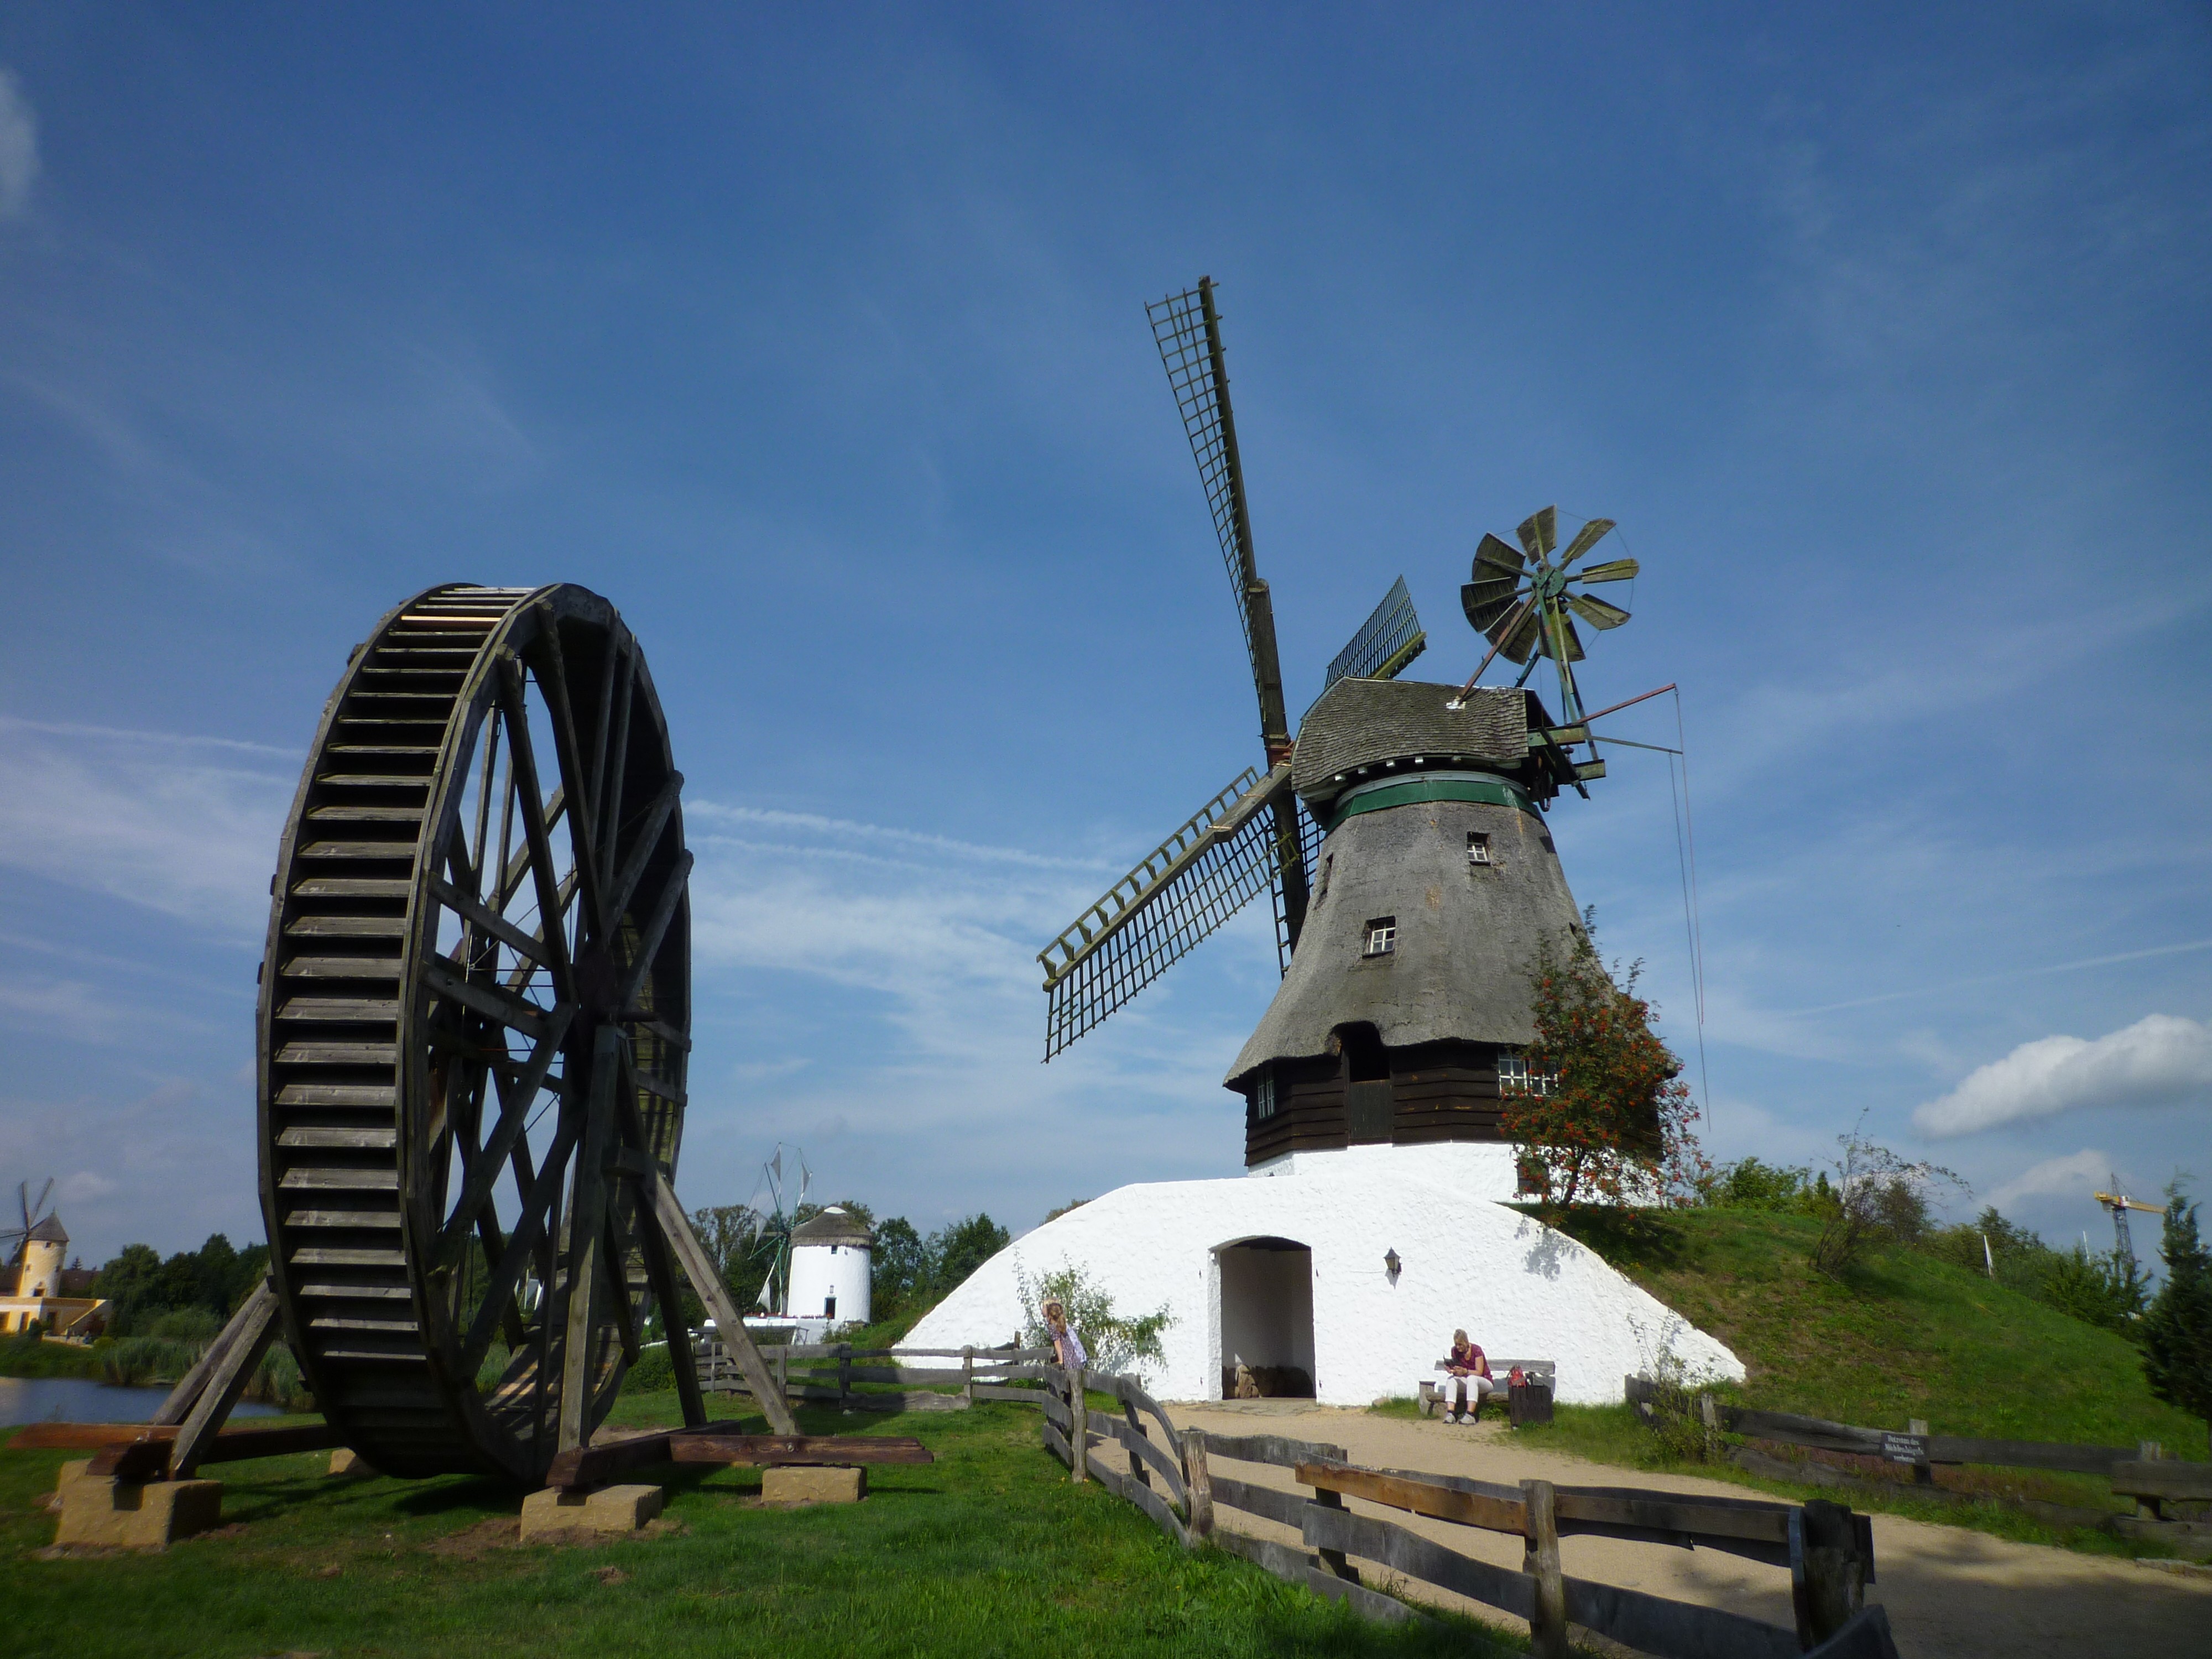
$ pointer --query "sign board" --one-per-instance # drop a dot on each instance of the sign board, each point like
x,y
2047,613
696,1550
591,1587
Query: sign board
x,y
1905,1448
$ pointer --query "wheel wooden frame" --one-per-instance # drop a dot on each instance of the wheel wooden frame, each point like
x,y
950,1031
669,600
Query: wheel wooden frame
x,y
419,1021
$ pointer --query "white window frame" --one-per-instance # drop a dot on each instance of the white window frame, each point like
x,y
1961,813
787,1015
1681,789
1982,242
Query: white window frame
x,y
1514,1077
1263,1095
1382,937
1478,847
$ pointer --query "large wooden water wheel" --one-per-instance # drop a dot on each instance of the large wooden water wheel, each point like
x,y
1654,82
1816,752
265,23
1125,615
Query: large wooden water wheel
x,y
474,1017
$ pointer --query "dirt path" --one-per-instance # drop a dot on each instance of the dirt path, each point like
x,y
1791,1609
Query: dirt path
x,y
1951,1593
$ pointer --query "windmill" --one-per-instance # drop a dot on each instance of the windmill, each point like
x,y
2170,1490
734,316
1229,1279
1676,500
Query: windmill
x,y
2119,1204
774,1238
1403,938
13,1239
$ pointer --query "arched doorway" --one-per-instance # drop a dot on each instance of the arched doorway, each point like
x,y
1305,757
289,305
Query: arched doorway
x,y
1267,1318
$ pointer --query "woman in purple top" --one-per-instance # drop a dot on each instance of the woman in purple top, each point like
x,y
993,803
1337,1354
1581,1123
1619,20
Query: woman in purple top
x,y
1067,1346
1470,1369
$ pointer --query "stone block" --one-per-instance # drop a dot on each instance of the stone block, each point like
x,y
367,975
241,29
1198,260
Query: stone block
x,y
613,1510
346,1461
136,1515
72,1471
812,1483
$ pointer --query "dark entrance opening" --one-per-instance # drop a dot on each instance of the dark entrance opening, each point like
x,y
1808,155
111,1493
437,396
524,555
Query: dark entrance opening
x,y
1266,1320
1367,1113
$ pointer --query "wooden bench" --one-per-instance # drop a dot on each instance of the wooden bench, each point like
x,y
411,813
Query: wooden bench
x,y
1544,1373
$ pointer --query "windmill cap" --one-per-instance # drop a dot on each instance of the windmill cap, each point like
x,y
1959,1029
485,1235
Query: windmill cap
x,y
1357,725
49,1231
834,1225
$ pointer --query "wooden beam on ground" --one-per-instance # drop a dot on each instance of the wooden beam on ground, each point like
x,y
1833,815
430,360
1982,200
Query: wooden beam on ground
x,y
146,1456
726,1445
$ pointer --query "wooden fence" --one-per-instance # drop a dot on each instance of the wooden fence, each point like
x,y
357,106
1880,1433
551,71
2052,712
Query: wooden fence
x,y
827,1373
2141,1471
1827,1550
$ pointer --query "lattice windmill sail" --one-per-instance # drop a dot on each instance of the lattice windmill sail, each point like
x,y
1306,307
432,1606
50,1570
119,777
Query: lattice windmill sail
x,y
1253,836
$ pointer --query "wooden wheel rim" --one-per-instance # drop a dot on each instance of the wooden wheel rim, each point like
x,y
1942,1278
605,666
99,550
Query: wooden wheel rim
x,y
448,1091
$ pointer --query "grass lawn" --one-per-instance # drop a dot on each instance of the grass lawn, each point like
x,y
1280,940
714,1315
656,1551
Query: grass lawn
x,y
1906,1336
990,1550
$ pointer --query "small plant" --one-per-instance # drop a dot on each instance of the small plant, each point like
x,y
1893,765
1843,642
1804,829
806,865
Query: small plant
x,y
1673,1410
1879,1198
1114,1342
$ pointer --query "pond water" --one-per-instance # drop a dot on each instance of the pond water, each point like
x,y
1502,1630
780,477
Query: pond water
x,y
75,1400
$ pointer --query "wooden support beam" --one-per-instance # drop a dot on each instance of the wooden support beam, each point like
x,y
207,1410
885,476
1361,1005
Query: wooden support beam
x,y
699,1268
250,1330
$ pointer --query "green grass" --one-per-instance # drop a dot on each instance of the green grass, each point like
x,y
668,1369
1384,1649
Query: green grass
x,y
1906,1336
989,1551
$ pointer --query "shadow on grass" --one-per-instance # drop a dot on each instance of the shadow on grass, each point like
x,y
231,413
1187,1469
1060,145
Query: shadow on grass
x,y
1649,1238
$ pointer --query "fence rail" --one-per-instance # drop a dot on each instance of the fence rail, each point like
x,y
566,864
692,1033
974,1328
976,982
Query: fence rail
x,y
1828,1550
827,1373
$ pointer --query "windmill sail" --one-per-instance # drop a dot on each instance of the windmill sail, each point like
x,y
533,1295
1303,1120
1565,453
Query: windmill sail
x,y
1387,641
1219,862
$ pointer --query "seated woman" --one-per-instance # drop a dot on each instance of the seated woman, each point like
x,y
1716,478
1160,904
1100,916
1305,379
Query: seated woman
x,y
1470,1370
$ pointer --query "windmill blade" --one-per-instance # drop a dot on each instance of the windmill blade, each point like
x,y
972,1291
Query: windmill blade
x,y
1619,570
1516,645
1188,330
1567,629
1596,612
45,1193
1540,532
1495,560
1585,538
1390,638
1219,861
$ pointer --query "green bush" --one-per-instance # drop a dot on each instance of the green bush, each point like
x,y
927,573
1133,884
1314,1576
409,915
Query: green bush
x,y
655,1372
2106,1290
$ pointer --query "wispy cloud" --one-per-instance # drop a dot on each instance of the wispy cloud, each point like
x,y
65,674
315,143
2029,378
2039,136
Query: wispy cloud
x,y
2074,1175
19,147
2160,1060
878,835
186,826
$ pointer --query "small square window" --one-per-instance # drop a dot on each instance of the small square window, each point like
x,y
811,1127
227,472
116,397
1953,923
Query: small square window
x,y
1263,1096
1514,1077
1382,936
1478,847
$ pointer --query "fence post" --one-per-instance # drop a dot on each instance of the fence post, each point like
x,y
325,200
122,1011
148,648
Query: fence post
x,y
1540,1559
1923,1472
1333,1559
783,1370
1198,1482
1079,1426
1136,1463
844,1376
968,1373
2147,1509
1827,1578
1709,1414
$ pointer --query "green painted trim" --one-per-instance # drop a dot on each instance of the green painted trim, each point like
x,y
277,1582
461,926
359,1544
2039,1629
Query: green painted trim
x,y
1408,792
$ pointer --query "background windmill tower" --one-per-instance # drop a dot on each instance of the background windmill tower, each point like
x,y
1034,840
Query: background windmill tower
x,y
1402,835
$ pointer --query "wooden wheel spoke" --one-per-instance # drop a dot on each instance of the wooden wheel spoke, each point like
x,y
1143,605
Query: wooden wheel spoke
x,y
495,1002
655,929
582,830
515,1102
535,1225
518,866
649,837
530,945
607,791
536,832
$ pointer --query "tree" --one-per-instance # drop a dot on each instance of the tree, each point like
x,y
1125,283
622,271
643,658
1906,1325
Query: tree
x,y
2177,1332
1113,1340
957,1248
898,1269
1879,1198
1604,1114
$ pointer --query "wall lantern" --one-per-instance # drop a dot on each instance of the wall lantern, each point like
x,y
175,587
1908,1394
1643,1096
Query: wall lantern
x,y
1391,1264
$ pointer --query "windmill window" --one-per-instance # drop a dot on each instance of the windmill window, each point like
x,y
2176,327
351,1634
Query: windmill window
x,y
1515,1078
1263,1096
1382,936
1478,847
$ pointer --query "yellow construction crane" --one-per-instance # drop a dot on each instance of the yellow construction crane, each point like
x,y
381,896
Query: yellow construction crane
x,y
2119,1204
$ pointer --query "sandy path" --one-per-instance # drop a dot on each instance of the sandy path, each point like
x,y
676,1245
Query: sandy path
x,y
1950,1591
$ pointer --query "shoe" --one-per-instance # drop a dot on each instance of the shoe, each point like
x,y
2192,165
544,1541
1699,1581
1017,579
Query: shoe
x,y
1449,1418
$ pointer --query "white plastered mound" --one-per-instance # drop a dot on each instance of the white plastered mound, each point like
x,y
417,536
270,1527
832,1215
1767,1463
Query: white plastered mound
x,y
1519,1288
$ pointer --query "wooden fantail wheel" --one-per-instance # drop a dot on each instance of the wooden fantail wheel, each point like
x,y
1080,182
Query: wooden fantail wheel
x,y
474,1019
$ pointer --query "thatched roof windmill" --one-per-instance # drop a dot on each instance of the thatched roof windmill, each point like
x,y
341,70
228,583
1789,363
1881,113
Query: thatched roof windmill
x,y
1401,833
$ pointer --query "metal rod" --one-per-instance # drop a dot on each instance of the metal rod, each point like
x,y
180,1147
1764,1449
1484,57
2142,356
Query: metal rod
x,y
1631,703
1503,635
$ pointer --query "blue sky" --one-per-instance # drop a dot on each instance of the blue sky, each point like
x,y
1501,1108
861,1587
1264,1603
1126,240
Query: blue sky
x,y
819,347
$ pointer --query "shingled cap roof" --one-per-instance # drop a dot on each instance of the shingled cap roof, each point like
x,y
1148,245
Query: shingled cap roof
x,y
49,1231
1357,725
834,1225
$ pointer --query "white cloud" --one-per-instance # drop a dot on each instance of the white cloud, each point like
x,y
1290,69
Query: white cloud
x,y
2160,1060
19,147
187,826
2074,1175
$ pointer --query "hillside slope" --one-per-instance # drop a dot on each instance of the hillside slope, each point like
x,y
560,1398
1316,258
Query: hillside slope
x,y
1906,1336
